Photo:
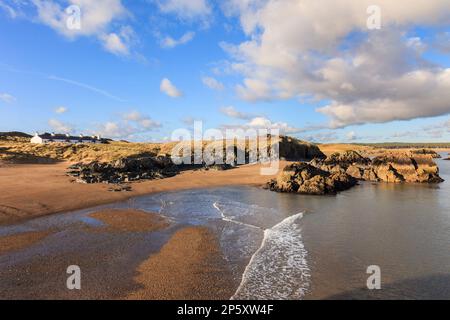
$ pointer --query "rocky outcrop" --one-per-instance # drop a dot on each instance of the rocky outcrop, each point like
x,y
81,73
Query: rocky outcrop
x,y
423,152
393,167
350,162
124,170
295,150
404,168
304,178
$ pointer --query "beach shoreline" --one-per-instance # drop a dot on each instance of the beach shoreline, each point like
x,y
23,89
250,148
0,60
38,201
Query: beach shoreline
x,y
36,190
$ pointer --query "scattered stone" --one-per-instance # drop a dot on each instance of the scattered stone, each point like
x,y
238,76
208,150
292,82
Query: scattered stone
x,y
120,188
218,167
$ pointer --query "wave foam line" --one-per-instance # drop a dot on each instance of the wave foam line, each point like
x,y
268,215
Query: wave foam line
x,y
282,271
225,218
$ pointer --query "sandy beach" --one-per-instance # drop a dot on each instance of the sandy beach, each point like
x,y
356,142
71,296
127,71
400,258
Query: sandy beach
x,y
189,265
33,190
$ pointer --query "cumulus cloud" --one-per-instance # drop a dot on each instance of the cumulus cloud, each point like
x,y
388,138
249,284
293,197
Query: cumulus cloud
x,y
6,97
296,49
213,83
259,123
142,120
186,9
59,127
168,88
231,112
130,124
169,42
97,18
61,110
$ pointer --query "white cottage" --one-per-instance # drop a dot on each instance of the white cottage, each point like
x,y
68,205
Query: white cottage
x,y
64,138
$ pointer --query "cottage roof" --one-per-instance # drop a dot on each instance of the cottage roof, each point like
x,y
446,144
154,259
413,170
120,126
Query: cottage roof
x,y
64,137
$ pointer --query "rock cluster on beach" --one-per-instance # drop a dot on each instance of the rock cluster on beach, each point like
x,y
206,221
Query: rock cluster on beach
x,y
304,178
340,172
124,170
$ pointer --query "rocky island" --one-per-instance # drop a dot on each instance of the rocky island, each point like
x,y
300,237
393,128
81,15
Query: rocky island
x,y
340,172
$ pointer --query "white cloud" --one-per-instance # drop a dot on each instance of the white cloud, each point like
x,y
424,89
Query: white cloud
x,y
6,97
143,121
113,43
59,126
97,18
351,136
294,49
231,112
168,88
131,124
258,123
169,42
213,83
61,110
186,9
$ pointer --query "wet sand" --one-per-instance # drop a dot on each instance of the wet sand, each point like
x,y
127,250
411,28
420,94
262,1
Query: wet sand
x,y
20,241
134,255
32,190
129,221
189,266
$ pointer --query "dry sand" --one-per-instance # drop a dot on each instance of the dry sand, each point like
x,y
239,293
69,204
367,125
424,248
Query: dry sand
x,y
129,221
189,266
32,190
22,240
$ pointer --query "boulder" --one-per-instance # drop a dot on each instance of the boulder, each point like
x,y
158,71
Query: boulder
x,y
304,178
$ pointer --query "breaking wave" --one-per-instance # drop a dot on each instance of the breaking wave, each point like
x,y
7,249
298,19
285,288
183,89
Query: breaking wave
x,y
278,269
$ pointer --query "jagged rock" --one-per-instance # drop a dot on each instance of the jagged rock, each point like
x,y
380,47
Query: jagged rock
x,y
304,178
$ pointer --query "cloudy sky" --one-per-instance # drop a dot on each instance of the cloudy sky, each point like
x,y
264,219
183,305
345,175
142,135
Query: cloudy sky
x,y
138,70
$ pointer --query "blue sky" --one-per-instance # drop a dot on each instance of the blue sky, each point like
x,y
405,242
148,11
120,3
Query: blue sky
x,y
250,63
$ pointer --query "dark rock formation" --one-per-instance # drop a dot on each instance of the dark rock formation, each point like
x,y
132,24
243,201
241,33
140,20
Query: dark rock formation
x,y
394,168
350,162
124,170
403,168
423,152
303,178
296,150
